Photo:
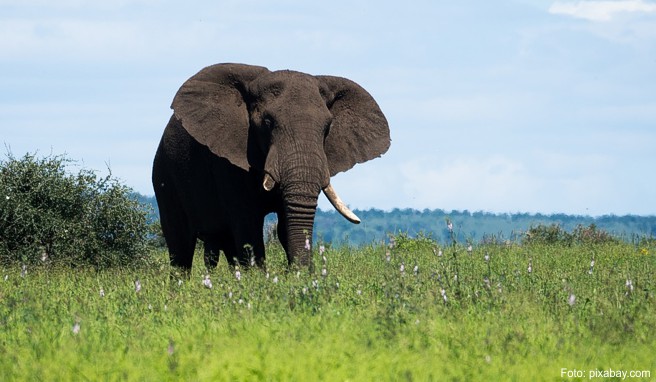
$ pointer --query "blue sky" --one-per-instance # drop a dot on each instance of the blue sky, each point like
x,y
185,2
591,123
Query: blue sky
x,y
500,106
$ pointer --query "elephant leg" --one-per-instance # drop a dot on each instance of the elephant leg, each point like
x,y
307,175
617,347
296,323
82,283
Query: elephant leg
x,y
180,239
212,252
283,236
248,245
181,248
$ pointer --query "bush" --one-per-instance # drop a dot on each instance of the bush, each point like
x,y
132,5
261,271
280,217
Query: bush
x,y
49,215
555,234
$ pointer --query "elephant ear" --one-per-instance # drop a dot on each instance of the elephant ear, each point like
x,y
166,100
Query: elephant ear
x,y
212,108
359,131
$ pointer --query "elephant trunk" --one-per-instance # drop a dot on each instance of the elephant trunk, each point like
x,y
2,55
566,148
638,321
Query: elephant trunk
x,y
300,205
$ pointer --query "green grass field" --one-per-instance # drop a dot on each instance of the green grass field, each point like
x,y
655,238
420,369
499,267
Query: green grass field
x,y
462,316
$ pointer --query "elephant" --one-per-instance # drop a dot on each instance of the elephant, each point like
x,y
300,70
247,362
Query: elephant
x,y
243,142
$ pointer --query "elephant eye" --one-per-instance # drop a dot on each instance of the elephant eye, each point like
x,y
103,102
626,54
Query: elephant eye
x,y
267,122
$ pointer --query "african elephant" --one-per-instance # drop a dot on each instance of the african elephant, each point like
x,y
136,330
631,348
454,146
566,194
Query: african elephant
x,y
243,142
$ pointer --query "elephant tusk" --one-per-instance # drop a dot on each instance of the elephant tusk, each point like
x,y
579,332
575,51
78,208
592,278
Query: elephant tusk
x,y
334,199
268,183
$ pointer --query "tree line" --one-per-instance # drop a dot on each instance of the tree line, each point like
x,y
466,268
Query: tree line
x,y
473,227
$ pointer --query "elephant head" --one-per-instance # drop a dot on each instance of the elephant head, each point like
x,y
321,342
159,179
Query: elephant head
x,y
293,129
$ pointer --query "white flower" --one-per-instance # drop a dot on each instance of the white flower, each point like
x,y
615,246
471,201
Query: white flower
x,y
359,292
137,286
402,269
416,270
238,275
6,277
443,293
7,197
76,328
571,300
470,249
102,292
179,282
207,282
629,286
307,244
449,225
487,257
322,249
275,279
23,270
324,272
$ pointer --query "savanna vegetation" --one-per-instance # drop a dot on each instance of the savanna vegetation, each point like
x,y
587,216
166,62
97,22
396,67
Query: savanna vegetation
x,y
554,304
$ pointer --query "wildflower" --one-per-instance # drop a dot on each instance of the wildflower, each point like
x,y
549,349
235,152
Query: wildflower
x,y
23,270
237,274
359,292
150,306
487,257
470,249
76,328
102,292
592,263
7,197
307,244
207,282
267,275
275,279
439,253
416,270
392,242
252,261
337,284
315,284
305,290
530,266
402,269
324,272
179,282
388,257
449,225
241,301
137,286
487,283
44,256
6,277
443,294
629,286
571,300
322,249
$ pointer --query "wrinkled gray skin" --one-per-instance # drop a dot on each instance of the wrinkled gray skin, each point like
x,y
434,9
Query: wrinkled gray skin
x,y
233,124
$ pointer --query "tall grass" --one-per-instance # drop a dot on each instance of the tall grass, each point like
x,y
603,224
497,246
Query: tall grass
x,y
409,310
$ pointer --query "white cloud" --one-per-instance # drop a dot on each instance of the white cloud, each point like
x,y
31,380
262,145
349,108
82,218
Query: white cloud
x,y
601,10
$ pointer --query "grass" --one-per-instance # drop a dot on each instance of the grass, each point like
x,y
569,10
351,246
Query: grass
x,y
364,320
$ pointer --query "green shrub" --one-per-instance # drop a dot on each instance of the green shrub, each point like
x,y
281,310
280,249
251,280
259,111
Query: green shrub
x,y
50,215
555,234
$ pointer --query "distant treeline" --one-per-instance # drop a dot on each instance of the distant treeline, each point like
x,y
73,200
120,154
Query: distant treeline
x,y
473,227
